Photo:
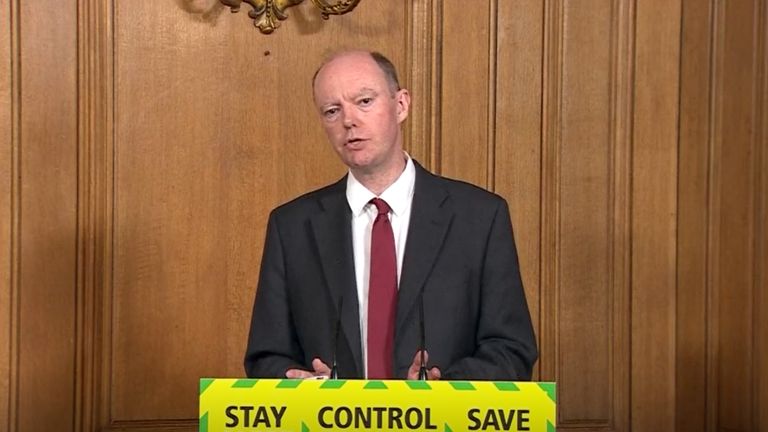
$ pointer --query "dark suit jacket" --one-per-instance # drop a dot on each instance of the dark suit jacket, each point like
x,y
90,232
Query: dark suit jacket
x,y
460,253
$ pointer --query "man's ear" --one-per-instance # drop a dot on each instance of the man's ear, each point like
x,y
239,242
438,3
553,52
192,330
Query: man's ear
x,y
403,101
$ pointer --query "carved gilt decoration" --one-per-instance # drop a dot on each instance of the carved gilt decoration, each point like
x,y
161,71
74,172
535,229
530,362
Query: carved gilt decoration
x,y
267,14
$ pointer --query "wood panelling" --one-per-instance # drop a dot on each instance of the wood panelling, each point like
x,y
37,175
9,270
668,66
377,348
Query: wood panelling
x,y
517,153
151,139
95,222
464,90
693,219
720,250
7,157
584,229
760,329
654,220
203,149
620,252
549,200
422,130
48,196
736,225
760,385
586,172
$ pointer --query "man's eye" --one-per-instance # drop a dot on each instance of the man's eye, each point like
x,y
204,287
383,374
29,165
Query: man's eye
x,y
330,112
365,101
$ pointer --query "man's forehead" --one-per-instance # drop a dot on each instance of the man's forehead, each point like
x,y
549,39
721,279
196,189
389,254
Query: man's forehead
x,y
338,81
351,69
346,92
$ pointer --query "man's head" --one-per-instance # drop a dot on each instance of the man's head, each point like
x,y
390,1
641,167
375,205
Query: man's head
x,y
361,107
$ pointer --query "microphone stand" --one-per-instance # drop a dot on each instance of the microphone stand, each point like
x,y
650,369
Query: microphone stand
x,y
423,366
334,366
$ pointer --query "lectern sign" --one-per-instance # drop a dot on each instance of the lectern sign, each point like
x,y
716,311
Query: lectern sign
x,y
240,405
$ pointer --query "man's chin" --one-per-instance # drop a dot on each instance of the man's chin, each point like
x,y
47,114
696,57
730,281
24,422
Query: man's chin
x,y
357,163
361,168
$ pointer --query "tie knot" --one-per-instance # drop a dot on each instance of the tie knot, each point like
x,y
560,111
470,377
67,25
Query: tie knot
x,y
381,206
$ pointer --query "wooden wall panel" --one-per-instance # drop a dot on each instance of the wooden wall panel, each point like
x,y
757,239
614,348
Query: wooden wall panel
x,y
654,196
591,212
760,385
693,219
622,113
760,329
421,74
552,70
517,153
7,208
95,211
203,149
584,214
47,235
720,219
465,73
736,225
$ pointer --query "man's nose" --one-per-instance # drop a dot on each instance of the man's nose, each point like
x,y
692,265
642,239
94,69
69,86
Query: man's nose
x,y
350,118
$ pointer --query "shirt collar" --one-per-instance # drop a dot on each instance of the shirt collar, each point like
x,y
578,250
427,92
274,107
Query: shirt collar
x,y
398,195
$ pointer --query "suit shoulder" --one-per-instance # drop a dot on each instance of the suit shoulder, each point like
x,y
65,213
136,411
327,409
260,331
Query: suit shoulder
x,y
467,192
310,201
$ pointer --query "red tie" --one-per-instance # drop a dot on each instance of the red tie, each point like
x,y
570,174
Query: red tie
x,y
382,295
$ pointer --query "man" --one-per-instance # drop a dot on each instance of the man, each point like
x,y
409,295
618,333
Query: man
x,y
354,273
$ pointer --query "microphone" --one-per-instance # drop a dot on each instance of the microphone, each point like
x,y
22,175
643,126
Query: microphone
x,y
423,343
334,366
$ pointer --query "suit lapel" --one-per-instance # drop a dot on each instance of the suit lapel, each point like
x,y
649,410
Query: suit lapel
x,y
431,216
332,230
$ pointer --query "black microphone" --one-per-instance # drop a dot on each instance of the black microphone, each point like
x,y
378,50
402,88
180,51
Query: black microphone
x,y
422,348
334,366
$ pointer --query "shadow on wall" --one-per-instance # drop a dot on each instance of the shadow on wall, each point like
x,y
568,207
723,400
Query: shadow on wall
x,y
207,11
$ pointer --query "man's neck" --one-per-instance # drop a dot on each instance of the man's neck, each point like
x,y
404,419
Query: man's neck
x,y
379,180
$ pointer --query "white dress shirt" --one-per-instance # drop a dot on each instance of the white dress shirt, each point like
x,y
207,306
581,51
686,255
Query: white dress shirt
x,y
398,196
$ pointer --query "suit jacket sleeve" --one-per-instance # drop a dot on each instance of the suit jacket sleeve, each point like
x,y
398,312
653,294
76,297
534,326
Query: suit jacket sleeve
x,y
505,342
273,346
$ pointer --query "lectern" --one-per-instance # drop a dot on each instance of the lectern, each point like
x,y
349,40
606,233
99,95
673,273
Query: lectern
x,y
239,405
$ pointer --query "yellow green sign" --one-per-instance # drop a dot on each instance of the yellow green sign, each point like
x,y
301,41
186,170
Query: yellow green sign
x,y
240,405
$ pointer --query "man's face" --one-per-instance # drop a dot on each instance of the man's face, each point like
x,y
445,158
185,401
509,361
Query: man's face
x,y
360,113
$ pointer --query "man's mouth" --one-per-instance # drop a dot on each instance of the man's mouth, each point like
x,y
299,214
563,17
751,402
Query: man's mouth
x,y
354,142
